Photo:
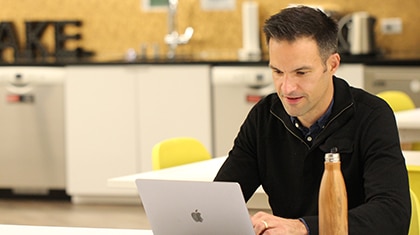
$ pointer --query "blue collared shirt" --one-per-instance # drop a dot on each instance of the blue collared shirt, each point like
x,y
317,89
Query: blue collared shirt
x,y
312,132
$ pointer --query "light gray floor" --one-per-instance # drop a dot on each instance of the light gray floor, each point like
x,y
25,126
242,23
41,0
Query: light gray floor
x,y
65,213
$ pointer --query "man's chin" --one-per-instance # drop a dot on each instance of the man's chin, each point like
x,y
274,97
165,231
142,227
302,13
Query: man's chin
x,y
291,110
292,113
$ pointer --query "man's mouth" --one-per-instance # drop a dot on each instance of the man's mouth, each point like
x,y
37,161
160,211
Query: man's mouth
x,y
292,100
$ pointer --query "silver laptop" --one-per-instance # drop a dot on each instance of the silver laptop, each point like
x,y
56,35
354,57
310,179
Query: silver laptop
x,y
194,207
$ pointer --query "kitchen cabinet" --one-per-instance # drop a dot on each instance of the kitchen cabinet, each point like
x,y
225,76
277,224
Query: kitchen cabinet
x,y
116,113
352,73
173,100
100,129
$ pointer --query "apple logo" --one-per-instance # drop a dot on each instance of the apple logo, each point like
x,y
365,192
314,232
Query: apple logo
x,y
196,215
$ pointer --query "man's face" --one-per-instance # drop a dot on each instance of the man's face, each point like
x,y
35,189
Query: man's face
x,y
303,81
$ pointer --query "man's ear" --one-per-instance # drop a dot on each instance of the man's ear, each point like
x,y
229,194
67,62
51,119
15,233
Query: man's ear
x,y
334,62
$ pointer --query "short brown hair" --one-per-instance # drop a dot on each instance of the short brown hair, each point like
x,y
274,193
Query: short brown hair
x,y
303,21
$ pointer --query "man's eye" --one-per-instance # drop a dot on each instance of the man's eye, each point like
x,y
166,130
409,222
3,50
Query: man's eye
x,y
301,73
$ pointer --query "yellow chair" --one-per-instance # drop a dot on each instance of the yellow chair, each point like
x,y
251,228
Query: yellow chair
x,y
178,151
400,101
414,223
414,179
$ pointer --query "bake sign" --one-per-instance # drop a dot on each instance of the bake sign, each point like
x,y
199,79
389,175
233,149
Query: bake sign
x,y
33,48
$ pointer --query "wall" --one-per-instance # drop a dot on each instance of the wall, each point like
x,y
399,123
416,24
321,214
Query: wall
x,y
110,27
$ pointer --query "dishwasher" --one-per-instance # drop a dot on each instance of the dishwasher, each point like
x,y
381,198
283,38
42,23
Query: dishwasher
x,y
235,90
401,78
32,150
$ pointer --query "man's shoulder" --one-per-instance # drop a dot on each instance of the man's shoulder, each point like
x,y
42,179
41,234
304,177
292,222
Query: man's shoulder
x,y
268,104
367,101
269,100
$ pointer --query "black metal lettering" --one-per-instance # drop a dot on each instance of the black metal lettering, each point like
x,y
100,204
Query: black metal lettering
x,y
34,33
8,39
61,37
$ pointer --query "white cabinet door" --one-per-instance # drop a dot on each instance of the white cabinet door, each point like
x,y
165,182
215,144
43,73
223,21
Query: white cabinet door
x,y
115,114
174,100
352,73
100,135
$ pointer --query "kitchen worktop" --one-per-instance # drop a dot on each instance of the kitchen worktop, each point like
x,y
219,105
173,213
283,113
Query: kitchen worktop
x,y
378,60
160,61
397,59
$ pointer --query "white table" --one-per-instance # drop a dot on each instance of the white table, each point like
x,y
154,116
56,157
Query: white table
x,y
207,170
203,171
412,158
52,230
199,171
408,123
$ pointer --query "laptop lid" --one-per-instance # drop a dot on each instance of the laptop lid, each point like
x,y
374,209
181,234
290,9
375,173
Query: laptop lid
x,y
194,207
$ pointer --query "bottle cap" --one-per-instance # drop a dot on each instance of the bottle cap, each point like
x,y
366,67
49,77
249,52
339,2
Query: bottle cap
x,y
333,156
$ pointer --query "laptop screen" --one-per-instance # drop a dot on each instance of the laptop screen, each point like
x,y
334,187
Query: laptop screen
x,y
194,207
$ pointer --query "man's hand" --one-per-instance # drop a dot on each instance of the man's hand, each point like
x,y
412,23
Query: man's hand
x,y
268,224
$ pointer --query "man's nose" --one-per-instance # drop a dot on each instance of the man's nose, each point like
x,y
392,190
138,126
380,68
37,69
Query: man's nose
x,y
289,84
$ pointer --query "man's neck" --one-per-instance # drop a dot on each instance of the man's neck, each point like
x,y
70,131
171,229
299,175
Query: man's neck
x,y
308,122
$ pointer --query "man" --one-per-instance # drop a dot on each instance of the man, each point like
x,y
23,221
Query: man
x,y
282,143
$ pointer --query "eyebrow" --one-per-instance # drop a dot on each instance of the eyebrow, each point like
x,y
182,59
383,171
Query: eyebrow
x,y
297,69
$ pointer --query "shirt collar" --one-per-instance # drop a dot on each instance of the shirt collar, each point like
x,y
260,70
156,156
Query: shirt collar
x,y
318,125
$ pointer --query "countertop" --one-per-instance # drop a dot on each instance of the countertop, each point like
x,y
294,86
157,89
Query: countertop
x,y
381,60
371,60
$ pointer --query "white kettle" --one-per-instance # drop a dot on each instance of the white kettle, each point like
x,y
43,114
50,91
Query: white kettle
x,y
356,34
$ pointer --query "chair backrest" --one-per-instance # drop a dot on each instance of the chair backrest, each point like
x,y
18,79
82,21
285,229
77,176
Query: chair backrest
x,y
415,218
178,151
398,100
414,178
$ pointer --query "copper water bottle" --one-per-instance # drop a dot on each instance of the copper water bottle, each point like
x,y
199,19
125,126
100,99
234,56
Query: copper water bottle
x,y
332,204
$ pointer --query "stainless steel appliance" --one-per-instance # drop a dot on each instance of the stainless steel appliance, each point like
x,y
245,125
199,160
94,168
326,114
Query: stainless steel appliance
x,y
32,157
235,90
402,78
356,34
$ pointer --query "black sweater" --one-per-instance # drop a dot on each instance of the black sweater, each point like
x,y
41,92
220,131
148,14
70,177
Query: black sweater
x,y
270,151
